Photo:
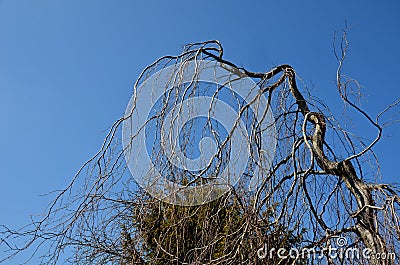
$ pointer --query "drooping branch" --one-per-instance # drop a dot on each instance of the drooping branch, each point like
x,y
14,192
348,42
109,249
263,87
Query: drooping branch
x,y
366,216
309,195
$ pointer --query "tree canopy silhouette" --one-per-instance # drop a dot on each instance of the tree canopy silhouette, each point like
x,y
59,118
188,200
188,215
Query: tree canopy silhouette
x,y
313,190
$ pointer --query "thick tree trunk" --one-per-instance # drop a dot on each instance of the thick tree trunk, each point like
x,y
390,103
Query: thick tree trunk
x,y
366,224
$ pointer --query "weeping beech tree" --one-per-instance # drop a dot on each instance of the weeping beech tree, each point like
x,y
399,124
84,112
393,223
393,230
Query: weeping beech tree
x,y
311,192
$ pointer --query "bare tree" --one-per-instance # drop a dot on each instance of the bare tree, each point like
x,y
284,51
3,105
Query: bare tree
x,y
311,194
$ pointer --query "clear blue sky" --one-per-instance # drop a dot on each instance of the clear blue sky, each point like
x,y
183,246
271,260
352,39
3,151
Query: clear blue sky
x,y
67,69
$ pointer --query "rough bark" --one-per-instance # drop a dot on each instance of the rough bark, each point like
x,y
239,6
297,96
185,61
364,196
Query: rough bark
x,y
365,216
